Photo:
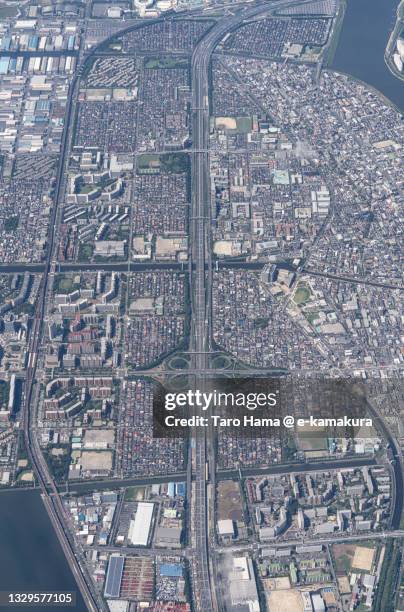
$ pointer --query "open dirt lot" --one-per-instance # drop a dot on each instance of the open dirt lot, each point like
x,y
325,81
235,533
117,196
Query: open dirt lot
x,y
229,501
94,461
343,584
228,122
279,601
363,558
344,554
277,584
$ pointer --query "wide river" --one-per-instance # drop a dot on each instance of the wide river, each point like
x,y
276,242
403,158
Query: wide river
x,y
31,558
30,555
362,43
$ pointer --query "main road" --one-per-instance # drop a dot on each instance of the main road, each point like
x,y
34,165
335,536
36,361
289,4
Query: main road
x,y
50,494
202,272
201,288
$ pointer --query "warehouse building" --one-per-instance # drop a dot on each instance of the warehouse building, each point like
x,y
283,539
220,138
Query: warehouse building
x,y
139,528
242,585
114,576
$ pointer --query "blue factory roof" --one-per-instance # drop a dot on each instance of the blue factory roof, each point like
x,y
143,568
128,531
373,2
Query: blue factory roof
x,y
171,569
171,489
181,489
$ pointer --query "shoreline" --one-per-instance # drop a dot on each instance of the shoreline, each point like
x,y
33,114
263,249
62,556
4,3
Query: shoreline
x,y
390,47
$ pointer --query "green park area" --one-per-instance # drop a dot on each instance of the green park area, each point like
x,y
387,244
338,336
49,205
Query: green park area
x,y
65,284
135,493
167,163
166,62
85,251
302,295
244,125
311,317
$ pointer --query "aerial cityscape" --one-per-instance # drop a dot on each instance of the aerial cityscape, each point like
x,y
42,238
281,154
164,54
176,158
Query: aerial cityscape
x,y
201,305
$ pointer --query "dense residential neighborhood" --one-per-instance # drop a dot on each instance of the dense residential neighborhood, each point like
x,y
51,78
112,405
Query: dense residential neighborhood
x,y
195,203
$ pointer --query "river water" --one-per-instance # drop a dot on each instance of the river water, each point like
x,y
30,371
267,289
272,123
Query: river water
x,y
360,52
31,558
30,555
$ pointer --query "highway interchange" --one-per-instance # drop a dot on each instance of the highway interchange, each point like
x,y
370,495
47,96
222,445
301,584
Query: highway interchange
x,y
201,276
200,273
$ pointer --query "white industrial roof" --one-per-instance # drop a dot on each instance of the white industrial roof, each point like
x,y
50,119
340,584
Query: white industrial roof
x,y
225,527
139,528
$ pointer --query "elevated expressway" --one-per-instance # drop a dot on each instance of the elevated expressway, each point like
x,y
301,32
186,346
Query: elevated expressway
x,y
201,271
201,267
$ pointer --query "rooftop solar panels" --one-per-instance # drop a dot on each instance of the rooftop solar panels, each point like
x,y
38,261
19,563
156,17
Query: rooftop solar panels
x,y
114,576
